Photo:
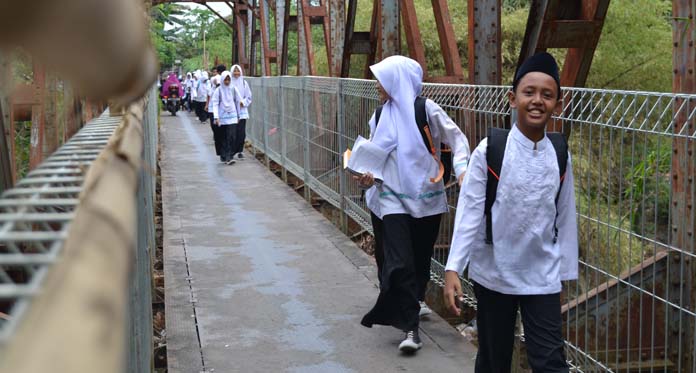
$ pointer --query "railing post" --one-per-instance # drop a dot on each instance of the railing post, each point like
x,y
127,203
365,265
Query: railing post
x,y
340,123
307,159
283,132
264,94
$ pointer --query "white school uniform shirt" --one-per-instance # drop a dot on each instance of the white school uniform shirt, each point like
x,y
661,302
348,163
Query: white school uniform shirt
x,y
214,83
389,198
226,117
523,259
244,91
202,88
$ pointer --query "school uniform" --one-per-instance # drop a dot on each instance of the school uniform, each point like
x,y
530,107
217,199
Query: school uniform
x,y
214,84
225,111
407,206
187,86
526,262
243,108
202,88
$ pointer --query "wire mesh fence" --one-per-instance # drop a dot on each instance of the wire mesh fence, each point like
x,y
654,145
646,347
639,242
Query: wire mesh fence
x,y
633,307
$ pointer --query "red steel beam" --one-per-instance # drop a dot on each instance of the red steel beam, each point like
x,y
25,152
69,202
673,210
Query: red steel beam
x,y
448,41
683,173
416,50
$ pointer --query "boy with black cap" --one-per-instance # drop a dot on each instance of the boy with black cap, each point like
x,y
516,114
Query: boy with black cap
x,y
527,243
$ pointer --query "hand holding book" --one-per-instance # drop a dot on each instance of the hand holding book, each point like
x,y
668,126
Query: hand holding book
x,y
366,161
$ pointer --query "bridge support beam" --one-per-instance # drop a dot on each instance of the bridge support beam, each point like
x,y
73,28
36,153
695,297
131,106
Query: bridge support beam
x,y
681,345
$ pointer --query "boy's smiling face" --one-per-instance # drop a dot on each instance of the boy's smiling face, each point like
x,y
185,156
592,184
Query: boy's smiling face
x,y
535,99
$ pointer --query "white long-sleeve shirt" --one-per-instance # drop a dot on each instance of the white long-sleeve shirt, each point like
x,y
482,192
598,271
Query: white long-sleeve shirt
x,y
215,107
523,259
389,199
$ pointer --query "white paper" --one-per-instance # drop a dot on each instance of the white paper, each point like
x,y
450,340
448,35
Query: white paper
x,y
366,157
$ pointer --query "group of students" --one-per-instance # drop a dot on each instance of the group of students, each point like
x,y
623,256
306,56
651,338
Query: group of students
x,y
515,226
224,100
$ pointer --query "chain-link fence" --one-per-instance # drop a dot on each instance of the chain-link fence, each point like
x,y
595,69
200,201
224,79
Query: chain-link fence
x,y
633,307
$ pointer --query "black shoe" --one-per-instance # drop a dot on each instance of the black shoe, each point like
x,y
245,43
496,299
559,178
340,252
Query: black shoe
x,y
240,156
411,343
230,162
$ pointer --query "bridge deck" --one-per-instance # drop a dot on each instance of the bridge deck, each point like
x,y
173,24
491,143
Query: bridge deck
x,y
258,281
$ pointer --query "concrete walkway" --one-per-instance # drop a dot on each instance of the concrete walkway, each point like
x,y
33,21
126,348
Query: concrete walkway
x,y
257,281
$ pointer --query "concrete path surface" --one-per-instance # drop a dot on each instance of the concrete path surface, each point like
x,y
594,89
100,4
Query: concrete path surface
x,y
258,281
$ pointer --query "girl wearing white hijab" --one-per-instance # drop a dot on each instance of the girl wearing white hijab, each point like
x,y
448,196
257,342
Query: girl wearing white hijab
x,y
202,87
245,101
224,102
188,84
407,206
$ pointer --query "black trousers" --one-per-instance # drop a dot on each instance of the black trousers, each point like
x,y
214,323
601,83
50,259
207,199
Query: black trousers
x,y
541,316
423,245
240,136
217,134
201,113
227,136
404,268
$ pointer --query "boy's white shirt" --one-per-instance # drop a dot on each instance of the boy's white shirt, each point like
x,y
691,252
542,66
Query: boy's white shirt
x,y
523,259
385,199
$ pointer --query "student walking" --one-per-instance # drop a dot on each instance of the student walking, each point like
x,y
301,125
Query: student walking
x,y
245,101
210,108
188,83
516,228
408,204
202,88
225,101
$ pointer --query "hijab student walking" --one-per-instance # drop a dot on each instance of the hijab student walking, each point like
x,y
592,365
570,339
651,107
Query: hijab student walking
x,y
210,108
202,88
225,100
408,204
187,92
245,93
516,228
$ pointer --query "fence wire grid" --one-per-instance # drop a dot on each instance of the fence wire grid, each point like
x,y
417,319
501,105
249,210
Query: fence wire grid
x,y
633,308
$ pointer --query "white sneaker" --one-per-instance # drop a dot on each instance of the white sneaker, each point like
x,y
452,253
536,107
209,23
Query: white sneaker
x,y
411,343
424,310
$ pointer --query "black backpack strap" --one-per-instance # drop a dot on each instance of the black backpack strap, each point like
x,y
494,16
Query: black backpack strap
x,y
495,150
560,145
378,112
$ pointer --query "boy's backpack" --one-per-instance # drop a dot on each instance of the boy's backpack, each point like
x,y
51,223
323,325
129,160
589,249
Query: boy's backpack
x,y
495,150
423,127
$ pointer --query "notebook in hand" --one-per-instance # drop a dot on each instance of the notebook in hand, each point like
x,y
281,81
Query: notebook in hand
x,y
365,157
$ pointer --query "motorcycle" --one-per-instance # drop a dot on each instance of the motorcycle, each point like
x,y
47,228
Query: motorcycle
x,y
172,100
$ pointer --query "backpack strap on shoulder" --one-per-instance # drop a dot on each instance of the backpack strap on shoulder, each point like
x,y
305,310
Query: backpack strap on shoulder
x,y
378,113
495,150
560,145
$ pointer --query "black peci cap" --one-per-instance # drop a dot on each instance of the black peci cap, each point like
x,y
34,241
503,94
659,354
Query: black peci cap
x,y
542,62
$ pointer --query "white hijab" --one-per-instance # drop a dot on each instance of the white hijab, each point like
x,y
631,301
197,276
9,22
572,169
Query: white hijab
x,y
238,82
402,79
227,95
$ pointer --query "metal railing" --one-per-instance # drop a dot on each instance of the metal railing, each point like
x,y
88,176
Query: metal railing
x,y
634,306
45,244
